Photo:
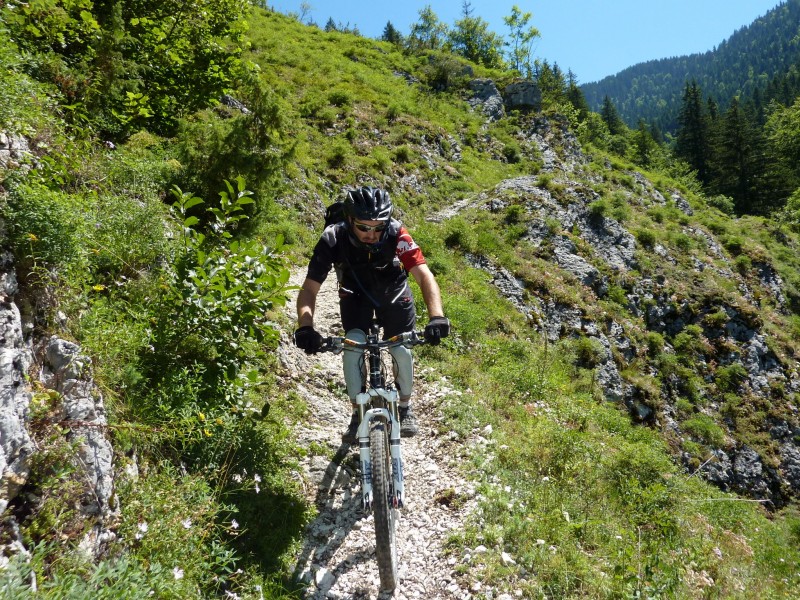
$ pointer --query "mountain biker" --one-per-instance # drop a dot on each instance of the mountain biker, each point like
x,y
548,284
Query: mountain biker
x,y
372,254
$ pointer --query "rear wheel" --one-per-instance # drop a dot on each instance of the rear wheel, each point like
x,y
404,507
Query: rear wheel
x,y
385,543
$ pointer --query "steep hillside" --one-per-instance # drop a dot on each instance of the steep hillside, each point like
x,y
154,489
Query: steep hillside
x,y
747,61
618,400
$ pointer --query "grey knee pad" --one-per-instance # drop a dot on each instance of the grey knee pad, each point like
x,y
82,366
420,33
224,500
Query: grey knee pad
x,y
353,363
403,366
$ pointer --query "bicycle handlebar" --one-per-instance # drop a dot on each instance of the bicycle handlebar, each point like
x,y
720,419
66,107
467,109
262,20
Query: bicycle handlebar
x,y
336,343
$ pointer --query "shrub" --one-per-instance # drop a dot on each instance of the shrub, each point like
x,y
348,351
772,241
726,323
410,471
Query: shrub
x,y
339,154
514,214
722,203
218,297
743,264
512,153
598,209
716,319
729,378
382,159
683,242
657,213
43,225
340,97
617,294
459,234
655,343
705,429
393,112
403,154
646,237
733,244
589,351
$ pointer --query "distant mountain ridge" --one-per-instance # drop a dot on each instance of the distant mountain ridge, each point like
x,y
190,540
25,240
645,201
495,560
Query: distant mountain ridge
x,y
743,65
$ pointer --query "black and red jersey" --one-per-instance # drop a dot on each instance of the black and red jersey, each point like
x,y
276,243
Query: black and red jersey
x,y
380,273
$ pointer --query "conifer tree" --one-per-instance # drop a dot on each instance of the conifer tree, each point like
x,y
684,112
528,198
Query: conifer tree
x,y
392,35
611,117
644,145
693,136
739,166
575,96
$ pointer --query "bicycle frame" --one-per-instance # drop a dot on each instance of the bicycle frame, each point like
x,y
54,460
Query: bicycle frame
x,y
378,402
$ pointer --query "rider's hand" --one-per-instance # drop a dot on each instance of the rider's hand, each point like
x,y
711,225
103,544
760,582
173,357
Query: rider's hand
x,y
436,329
308,339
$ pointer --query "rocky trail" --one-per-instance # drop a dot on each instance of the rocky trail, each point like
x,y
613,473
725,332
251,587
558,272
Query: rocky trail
x,y
337,559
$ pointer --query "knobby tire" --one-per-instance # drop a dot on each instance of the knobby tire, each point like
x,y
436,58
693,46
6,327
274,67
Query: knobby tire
x,y
385,543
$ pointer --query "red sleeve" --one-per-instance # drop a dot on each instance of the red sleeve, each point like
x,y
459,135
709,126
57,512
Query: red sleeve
x,y
407,250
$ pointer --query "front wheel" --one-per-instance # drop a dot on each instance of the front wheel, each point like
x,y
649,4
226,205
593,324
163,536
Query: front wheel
x,y
385,543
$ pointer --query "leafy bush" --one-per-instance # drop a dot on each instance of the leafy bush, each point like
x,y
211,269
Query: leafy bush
x,y
724,204
512,152
340,97
403,154
157,77
217,302
716,319
212,147
44,225
458,233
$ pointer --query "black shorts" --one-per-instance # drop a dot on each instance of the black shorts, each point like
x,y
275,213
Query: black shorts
x,y
395,317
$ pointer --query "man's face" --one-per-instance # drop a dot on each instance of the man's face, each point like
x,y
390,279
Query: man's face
x,y
373,233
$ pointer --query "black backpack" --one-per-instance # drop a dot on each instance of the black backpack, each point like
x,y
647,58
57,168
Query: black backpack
x,y
335,213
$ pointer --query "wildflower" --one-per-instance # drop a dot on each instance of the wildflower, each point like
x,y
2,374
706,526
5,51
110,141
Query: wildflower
x,y
32,237
98,287
187,523
231,595
177,573
237,478
142,527
234,524
258,489
257,478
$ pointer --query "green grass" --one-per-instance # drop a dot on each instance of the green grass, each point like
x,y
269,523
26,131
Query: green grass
x,y
586,503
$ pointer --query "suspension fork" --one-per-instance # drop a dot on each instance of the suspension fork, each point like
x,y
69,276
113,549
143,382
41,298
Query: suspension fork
x,y
389,416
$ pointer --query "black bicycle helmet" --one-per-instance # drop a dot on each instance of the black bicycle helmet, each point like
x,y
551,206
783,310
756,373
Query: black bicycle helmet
x,y
368,204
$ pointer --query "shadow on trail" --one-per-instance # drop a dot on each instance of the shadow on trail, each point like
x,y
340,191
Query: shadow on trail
x,y
328,531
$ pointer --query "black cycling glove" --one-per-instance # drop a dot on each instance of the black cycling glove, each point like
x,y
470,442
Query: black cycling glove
x,y
308,339
436,329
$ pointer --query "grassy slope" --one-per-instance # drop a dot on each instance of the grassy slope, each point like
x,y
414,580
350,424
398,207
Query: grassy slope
x,y
589,505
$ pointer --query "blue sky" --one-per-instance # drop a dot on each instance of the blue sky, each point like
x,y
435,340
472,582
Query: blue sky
x,y
593,38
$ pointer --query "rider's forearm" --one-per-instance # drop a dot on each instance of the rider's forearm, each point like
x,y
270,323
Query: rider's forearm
x,y
306,302
432,296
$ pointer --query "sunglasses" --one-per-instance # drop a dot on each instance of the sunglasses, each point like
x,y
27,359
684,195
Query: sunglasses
x,y
367,228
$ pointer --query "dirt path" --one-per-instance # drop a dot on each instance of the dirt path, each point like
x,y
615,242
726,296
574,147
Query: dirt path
x,y
337,559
